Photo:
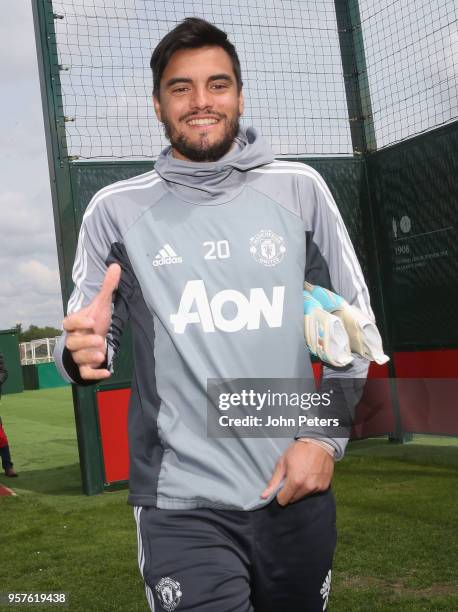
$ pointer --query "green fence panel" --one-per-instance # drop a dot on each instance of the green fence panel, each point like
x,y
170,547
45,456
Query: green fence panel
x,y
48,376
415,191
9,346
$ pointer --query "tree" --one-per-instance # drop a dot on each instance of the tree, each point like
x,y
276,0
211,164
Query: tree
x,y
37,333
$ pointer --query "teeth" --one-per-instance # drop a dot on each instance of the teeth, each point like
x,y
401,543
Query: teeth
x,y
203,121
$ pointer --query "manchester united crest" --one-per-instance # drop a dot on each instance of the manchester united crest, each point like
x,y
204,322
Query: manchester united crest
x,y
267,248
169,593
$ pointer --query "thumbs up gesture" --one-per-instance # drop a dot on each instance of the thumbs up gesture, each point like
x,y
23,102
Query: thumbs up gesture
x,y
87,329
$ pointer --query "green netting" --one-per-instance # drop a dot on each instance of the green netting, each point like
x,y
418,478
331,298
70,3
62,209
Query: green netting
x,y
291,69
411,53
406,69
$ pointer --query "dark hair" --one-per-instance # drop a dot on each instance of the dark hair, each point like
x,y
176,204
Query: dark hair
x,y
191,33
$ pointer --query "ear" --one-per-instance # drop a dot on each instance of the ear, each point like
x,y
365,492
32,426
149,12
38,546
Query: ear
x,y
157,108
241,103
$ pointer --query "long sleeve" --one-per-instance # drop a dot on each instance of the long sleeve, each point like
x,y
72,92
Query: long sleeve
x,y
331,262
97,242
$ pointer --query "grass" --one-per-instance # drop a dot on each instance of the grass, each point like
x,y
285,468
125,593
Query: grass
x,y
396,521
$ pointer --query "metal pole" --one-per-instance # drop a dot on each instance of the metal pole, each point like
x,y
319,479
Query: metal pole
x,y
66,224
355,76
364,143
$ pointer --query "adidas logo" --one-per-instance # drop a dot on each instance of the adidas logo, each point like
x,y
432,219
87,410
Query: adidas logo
x,y
165,256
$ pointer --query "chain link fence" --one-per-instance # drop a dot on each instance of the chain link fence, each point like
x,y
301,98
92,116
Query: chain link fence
x,y
291,68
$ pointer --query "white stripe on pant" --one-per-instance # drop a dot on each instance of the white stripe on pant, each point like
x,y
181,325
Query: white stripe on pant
x,y
141,557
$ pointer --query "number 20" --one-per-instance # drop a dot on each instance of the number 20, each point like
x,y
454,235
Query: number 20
x,y
217,250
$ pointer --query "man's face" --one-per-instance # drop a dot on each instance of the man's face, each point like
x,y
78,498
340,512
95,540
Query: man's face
x,y
199,104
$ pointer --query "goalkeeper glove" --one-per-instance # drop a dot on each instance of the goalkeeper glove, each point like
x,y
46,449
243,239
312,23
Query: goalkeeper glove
x,y
364,337
325,334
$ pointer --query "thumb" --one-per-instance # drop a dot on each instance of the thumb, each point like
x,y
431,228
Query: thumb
x,y
277,477
110,283
100,307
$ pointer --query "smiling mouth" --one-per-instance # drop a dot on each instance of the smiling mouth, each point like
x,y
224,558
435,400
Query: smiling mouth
x,y
202,122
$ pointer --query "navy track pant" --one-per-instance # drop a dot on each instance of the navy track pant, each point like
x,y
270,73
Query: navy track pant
x,y
267,560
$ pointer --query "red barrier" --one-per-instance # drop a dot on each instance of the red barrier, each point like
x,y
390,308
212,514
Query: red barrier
x,y
112,409
428,405
427,364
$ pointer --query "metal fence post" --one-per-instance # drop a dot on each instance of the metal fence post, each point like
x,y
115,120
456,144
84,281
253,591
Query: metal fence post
x,y
364,143
66,225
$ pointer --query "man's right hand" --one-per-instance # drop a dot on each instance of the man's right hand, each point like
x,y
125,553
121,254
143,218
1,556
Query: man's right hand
x,y
87,329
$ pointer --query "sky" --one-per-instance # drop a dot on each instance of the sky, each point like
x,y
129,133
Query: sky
x,y
411,52
29,278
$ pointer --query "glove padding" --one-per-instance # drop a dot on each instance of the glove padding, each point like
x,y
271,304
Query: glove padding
x,y
325,334
363,336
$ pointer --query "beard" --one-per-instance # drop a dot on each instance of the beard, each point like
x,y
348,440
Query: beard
x,y
203,151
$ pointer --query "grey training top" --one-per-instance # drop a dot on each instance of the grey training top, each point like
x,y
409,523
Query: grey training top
x,y
213,258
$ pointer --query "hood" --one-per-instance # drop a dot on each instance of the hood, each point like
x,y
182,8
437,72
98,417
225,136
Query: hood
x,y
219,181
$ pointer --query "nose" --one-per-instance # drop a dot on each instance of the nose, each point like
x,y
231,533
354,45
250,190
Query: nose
x,y
201,98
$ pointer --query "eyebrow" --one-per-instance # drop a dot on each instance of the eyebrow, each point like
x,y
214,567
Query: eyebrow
x,y
214,77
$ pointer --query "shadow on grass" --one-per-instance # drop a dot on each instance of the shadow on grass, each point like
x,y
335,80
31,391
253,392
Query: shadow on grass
x,y
62,480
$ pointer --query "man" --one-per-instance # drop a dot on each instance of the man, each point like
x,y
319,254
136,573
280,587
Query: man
x,y
5,455
211,250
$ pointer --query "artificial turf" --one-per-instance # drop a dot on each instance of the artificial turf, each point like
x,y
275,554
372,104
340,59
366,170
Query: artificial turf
x,y
396,521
